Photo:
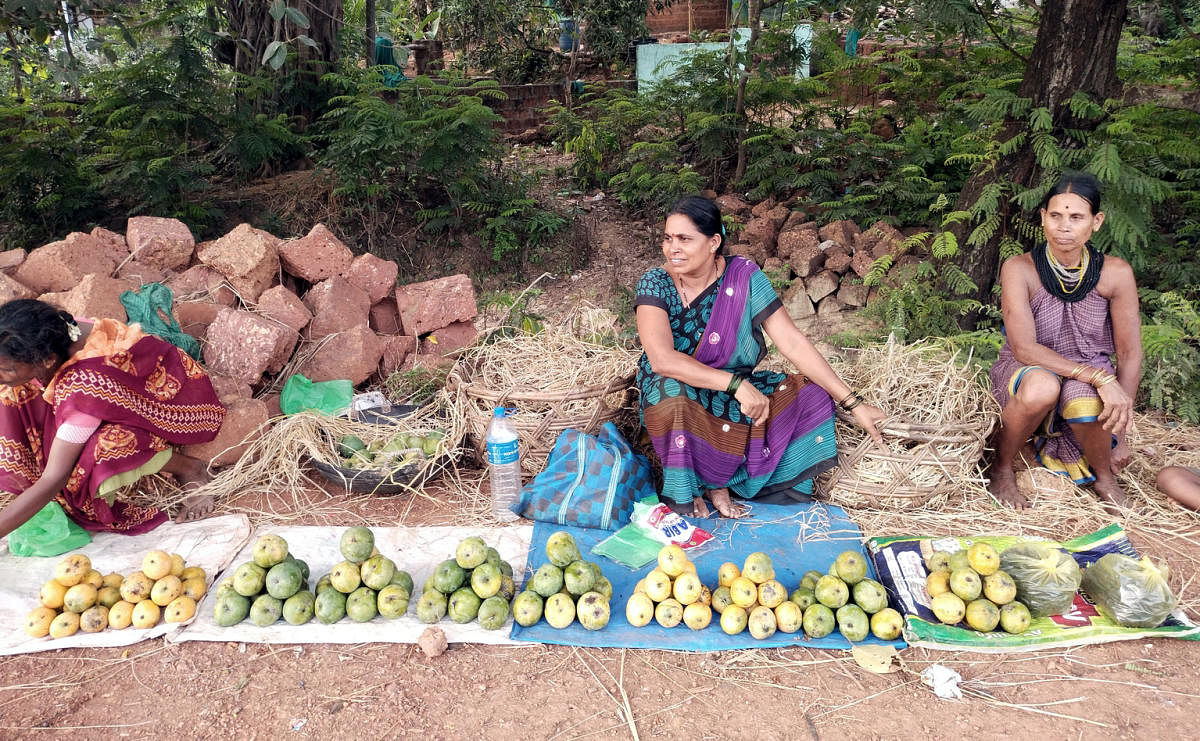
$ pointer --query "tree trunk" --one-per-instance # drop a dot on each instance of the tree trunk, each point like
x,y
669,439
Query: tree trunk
x,y
251,25
1075,50
369,45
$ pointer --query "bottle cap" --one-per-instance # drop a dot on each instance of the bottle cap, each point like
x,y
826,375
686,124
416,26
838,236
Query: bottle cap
x,y
498,412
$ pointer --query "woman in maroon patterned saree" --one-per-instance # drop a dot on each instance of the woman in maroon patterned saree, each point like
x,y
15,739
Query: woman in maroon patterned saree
x,y
86,409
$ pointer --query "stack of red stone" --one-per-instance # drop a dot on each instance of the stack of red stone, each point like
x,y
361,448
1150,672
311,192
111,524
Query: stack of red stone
x,y
824,264
257,304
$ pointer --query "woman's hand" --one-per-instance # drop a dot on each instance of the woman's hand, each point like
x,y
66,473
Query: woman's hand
x,y
1117,415
870,419
754,403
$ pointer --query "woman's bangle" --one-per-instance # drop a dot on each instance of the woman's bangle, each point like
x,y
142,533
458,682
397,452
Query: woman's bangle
x,y
852,400
1105,380
734,383
1076,371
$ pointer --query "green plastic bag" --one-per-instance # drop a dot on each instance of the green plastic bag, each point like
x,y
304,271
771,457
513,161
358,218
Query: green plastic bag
x,y
48,533
328,397
150,306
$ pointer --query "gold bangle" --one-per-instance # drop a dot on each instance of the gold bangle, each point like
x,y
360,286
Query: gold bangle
x,y
1108,378
1076,371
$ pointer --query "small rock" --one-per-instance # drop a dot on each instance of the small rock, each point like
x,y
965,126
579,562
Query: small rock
x,y
432,642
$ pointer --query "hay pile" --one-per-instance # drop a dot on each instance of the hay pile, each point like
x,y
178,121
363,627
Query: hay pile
x,y
278,460
571,374
939,420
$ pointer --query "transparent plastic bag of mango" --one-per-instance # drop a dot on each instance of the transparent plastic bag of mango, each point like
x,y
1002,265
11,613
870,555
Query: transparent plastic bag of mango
x,y
1129,592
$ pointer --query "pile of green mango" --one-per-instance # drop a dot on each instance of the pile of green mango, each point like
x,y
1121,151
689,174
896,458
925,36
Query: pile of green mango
x,y
274,584
474,585
401,450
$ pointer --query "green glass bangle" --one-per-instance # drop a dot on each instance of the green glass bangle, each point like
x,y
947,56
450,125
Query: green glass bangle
x,y
734,383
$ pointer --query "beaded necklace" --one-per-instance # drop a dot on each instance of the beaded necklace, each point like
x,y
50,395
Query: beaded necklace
x,y
1055,277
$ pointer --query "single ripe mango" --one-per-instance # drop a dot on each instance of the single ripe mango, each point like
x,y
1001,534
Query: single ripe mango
x,y
938,582
743,592
771,594
733,620
71,570
721,599
146,614
80,597
668,613
639,610
179,610
887,624
165,590
938,561
64,624
789,617
727,573
94,619
52,594
982,615
136,587
672,560
195,588
156,564
37,622
658,585
983,558
120,615
697,616
999,587
687,588
948,608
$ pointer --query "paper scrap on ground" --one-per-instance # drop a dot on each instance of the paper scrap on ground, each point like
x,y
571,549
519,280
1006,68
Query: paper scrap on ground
x,y
417,550
210,544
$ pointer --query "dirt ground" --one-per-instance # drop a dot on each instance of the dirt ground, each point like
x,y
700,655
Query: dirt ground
x,y
1127,690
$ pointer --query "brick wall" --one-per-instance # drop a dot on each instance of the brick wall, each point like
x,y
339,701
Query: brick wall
x,y
522,109
706,15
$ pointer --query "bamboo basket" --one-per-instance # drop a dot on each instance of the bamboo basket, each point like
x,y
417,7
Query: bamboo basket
x,y
538,416
919,462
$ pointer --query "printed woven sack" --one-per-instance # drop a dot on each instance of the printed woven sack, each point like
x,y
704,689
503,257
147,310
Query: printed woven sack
x,y
589,481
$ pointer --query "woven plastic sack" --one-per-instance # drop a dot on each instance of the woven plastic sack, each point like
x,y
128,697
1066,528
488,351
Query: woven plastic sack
x,y
328,397
1047,578
48,533
1130,592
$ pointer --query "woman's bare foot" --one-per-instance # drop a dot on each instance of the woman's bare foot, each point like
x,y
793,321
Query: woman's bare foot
x,y
195,507
1003,487
723,504
1111,495
191,473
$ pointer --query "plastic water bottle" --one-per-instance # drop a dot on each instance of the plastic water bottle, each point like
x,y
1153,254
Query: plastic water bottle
x,y
504,464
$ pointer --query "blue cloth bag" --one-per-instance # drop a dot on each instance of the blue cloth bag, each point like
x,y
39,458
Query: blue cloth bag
x,y
589,481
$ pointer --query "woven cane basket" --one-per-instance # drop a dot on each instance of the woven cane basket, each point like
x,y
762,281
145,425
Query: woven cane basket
x,y
539,416
921,462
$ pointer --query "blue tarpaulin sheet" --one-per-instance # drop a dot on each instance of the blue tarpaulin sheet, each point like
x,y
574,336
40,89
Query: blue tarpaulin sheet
x,y
797,538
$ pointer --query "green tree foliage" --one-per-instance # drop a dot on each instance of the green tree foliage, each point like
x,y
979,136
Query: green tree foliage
x,y
428,150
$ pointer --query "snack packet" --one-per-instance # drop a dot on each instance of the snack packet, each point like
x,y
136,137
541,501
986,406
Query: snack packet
x,y
652,526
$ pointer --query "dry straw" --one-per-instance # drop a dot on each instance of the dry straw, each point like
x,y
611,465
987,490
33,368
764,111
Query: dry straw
x,y
939,419
277,462
571,374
